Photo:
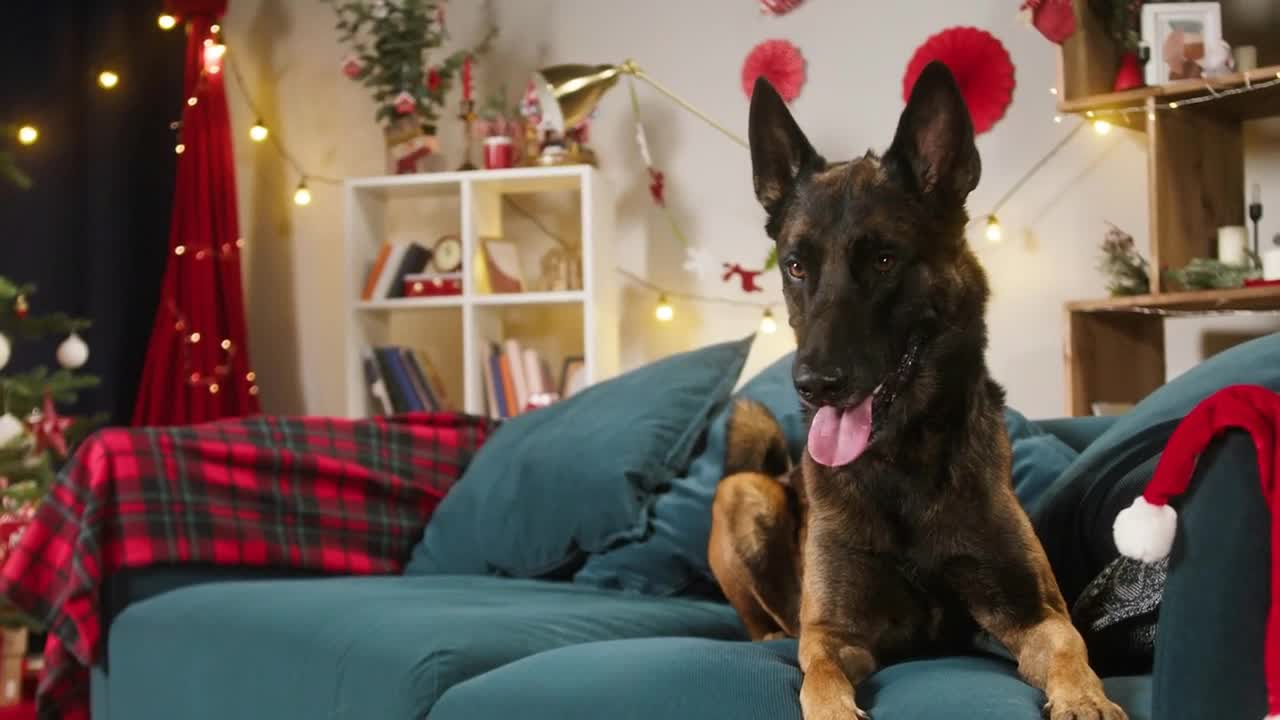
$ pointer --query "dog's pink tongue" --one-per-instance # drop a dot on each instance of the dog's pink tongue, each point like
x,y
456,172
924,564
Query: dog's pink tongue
x,y
838,437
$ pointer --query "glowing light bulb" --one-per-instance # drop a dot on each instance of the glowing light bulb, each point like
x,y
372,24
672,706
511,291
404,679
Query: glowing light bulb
x,y
251,376
108,79
213,388
191,101
1173,105
994,231
1102,127
180,250
1053,91
213,52
225,344
768,325
179,148
258,132
1057,118
302,196
195,337
27,134
663,312
167,21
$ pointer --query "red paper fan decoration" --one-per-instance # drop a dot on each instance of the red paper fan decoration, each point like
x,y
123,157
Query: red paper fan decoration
x,y
982,68
778,7
779,62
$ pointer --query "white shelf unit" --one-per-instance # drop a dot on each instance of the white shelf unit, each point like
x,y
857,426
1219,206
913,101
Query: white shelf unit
x,y
456,331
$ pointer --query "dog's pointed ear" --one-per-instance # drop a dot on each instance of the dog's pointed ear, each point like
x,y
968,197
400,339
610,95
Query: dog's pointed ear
x,y
933,151
779,149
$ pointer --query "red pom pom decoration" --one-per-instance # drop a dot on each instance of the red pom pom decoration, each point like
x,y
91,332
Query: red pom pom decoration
x,y
981,66
777,61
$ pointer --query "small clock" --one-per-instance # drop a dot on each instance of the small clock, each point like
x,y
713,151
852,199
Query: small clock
x,y
446,256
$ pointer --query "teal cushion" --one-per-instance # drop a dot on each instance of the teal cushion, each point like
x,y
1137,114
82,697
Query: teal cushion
x,y
693,679
1038,461
1074,516
1210,642
673,557
581,475
357,648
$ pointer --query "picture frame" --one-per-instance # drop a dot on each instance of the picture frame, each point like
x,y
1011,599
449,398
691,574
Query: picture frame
x,y
1178,36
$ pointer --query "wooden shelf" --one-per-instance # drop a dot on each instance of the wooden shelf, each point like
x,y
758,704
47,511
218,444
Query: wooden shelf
x,y
1263,297
564,297
1259,104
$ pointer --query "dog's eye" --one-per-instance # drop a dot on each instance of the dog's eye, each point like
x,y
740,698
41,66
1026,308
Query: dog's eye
x,y
795,270
885,262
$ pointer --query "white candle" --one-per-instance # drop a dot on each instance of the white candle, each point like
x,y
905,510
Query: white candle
x,y
1232,240
1246,58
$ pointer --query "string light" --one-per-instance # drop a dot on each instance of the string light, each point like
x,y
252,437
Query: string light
x,y
167,21
195,337
1102,127
258,132
1057,118
213,52
663,311
179,148
302,196
768,325
225,344
994,232
191,101
180,249
27,134
1053,91
108,79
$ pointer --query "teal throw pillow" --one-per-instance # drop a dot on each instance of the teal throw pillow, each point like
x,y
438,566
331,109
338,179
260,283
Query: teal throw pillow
x,y
581,475
672,559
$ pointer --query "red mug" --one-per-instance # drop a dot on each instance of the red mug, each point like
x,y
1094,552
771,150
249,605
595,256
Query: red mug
x,y
499,152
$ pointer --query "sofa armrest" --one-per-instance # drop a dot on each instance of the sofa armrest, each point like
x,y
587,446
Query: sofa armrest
x,y
1209,640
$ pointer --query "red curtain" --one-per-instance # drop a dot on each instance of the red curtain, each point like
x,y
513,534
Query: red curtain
x,y
197,365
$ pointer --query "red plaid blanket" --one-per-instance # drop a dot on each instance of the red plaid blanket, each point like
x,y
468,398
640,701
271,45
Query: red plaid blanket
x,y
321,494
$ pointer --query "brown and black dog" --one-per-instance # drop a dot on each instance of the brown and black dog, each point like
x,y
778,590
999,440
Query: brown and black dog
x,y
899,534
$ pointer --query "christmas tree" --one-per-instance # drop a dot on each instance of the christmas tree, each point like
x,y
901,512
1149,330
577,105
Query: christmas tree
x,y
34,438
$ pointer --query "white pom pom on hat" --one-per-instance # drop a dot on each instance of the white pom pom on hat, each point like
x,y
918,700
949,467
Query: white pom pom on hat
x,y
1144,531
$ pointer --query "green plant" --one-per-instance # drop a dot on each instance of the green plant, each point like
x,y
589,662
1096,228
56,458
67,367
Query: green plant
x,y
1127,272
391,42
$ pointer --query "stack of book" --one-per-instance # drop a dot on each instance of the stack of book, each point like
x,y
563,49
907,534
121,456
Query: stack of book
x,y
518,378
403,380
395,261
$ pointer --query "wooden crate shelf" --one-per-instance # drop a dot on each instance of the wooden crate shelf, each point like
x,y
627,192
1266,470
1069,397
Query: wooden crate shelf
x,y
1114,348
1259,104
1263,297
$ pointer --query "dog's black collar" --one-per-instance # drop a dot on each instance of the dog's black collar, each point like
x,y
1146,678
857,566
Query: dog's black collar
x,y
896,383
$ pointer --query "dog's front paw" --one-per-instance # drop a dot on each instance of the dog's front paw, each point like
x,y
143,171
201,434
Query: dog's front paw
x,y
832,700
1089,705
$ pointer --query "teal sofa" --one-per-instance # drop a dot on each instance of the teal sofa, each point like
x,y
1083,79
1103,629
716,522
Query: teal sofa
x,y
218,643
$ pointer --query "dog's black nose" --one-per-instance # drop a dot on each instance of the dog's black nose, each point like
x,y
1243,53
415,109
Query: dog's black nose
x,y
819,386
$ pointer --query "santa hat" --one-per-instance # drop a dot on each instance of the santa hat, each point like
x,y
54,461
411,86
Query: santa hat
x,y
1144,530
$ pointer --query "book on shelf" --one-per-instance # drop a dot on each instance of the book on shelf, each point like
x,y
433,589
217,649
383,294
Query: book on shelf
x,y
395,260
402,380
573,376
517,378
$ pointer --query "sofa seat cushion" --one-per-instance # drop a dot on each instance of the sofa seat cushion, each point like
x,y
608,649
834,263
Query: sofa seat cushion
x,y
691,678
380,647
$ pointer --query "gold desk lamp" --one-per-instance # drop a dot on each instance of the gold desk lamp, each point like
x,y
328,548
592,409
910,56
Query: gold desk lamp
x,y
568,93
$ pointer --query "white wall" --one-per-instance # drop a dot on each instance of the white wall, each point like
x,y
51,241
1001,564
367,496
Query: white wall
x,y
856,52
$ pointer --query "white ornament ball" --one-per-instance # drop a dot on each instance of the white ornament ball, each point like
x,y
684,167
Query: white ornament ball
x,y
73,352
11,428
5,349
